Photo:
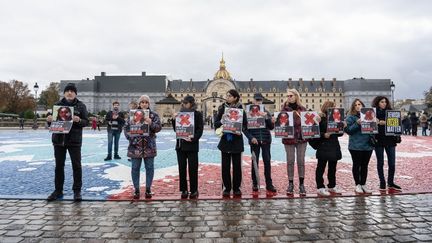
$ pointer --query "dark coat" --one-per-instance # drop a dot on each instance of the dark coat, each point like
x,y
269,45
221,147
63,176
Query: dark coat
x,y
382,139
263,135
74,137
120,121
236,144
193,146
329,148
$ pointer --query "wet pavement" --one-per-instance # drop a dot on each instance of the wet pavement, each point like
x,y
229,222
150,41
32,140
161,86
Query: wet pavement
x,y
390,218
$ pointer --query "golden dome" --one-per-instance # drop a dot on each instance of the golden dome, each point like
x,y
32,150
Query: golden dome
x,y
222,73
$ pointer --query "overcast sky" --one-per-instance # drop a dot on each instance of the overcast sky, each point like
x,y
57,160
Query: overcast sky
x,y
44,41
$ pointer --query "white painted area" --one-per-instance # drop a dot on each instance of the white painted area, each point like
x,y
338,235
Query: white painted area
x,y
12,148
26,169
37,163
97,189
17,158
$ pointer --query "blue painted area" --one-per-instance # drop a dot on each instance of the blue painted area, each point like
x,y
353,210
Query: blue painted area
x,y
27,161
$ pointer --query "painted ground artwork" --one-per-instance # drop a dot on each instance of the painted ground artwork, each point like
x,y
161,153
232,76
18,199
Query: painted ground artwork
x,y
27,168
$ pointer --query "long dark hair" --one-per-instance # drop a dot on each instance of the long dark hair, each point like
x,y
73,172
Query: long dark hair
x,y
376,101
352,110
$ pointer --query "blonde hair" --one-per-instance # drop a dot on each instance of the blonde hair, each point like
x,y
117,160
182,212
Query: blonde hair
x,y
297,96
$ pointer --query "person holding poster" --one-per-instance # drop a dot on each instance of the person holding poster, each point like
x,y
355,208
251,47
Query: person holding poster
x,y
261,141
328,152
115,120
385,143
295,147
187,149
359,147
70,142
143,147
231,146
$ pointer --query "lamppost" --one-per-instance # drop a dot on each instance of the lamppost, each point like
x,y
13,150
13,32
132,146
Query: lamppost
x,y
392,87
36,88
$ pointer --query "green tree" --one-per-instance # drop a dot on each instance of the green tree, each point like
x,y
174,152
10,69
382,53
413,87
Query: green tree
x,y
102,113
29,114
16,97
50,95
428,97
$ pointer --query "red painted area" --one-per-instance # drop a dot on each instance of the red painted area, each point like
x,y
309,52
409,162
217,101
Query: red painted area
x,y
413,174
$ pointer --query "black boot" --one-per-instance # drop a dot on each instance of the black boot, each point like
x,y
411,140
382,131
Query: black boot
x,y
54,196
108,158
77,196
116,156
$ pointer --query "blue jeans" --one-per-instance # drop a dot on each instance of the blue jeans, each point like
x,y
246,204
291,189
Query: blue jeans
x,y
136,167
391,159
116,136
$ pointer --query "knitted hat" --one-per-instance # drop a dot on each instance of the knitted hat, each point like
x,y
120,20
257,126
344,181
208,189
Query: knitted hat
x,y
189,99
144,97
70,86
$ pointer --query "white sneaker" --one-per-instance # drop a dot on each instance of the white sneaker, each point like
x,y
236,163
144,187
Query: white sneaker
x,y
359,189
335,190
365,189
323,192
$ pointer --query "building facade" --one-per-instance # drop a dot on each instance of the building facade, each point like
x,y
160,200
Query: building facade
x,y
100,92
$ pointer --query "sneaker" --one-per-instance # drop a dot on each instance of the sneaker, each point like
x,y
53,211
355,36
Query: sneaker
x,y
54,196
335,190
290,189
366,190
117,157
194,195
184,194
382,187
359,189
77,196
323,192
395,187
136,194
148,193
226,193
271,188
255,188
108,158
302,190
237,193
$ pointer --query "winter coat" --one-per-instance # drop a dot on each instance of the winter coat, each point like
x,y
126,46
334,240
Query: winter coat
x,y
298,138
357,140
236,144
263,135
119,120
193,146
329,148
144,146
382,139
74,137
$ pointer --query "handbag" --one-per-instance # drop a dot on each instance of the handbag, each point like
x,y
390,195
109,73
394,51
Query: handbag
x,y
219,131
373,141
398,139
315,143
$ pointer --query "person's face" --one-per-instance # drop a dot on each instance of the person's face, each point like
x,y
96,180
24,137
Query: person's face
x,y
187,105
382,104
230,99
69,95
132,106
358,106
144,104
258,101
138,116
291,97
116,106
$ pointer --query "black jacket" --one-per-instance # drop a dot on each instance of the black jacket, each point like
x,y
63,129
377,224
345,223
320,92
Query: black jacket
x,y
263,135
74,137
236,145
193,146
382,139
120,121
329,148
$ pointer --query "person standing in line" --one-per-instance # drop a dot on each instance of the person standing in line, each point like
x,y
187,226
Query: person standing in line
x,y
414,123
328,152
424,123
115,120
406,123
295,147
359,147
143,148
231,146
385,143
70,142
261,141
187,150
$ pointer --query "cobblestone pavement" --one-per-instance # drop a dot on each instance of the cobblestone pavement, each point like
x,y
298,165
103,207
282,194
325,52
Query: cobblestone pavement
x,y
397,218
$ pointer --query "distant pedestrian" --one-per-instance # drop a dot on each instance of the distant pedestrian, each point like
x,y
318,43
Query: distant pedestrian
x,y
424,123
406,125
94,123
414,123
71,143
21,123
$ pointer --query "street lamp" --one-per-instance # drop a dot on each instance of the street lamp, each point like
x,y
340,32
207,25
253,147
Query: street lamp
x,y
392,87
36,88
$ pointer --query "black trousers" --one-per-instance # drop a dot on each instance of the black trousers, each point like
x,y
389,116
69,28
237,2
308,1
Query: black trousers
x,y
60,158
331,173
188,160
360,165
235,158
255,151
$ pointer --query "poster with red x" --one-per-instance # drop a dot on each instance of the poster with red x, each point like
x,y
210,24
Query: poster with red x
x,y
232,120
185,125
255,116
138,126
310,124
335,120
368,121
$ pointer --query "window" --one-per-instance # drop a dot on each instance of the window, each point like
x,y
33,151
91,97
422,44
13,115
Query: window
x,y
313,106
313,101
320,100
307,100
